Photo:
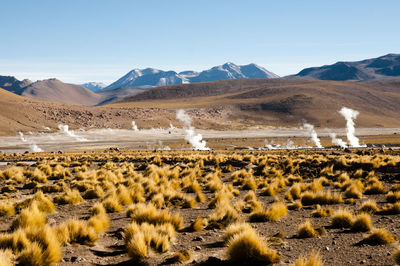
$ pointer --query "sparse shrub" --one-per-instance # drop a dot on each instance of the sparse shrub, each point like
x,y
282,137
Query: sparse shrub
x,y
111,204
29,217
47,239
392,196
94,193
369,206
76,232
248,247
198,225
320,212
320,197
362,223
141,213
375,188
69,197
295,205
7,208
342,218
306,230
32,255
314,259
390,209
274,213
181,256
378,237
235,229
137,247
353,192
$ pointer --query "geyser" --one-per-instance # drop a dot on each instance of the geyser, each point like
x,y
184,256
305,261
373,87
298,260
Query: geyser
x,y
32,145
337,141
195,140
350,115
313,134
65,129
134,126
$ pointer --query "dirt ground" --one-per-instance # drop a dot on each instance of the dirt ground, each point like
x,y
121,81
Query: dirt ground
x,y
337,247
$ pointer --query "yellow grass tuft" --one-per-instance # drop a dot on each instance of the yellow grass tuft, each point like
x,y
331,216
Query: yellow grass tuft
x,y
76,232
181,256
29,217
314,259
274,213
137,247
342,218
369,206
248,247
235,229
7,208
362,223
379,237
306,230
69,197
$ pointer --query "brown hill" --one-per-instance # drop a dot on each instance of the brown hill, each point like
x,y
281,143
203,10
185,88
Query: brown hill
x,y
53,90
280,102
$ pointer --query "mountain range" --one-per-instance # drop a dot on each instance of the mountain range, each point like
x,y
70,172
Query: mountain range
x,y
151,77
386,67
138,81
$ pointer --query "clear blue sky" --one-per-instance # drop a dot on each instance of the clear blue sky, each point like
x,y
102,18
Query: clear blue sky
x,y
98,40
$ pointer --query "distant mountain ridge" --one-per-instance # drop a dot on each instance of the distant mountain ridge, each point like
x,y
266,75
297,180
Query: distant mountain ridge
x,y
386,67
151,77
94,86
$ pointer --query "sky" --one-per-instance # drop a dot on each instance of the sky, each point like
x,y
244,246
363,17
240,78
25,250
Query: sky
x,y
78,41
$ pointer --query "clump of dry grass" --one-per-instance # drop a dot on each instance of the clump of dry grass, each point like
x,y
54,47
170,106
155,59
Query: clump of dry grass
x,y
314,259
392,196
375,187
69,197
342,218
76,231
353,192
306,230
235,229
248,247
139,238
378,237
7,208
274,213
182,256
369,206
141,213
320,197
390,209
94,193
198,225
112,204
29,217
362,223
295,205
321,212
99,220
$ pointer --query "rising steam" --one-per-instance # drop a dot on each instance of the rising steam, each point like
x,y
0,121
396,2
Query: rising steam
x,y
350,115
134,126
32,145
313,134
195,140
65,129
337,141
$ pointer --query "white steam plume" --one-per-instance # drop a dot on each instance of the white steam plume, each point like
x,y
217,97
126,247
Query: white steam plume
x,y
313,134
350,115
337,141
32,145
65,129
195,140
134,126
